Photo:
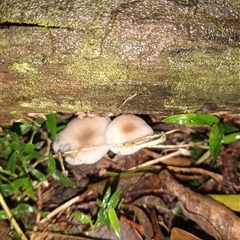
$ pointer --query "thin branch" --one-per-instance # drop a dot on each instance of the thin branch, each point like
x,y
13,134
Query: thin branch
x,y
157,160
128,99
66,205
201,171
12,219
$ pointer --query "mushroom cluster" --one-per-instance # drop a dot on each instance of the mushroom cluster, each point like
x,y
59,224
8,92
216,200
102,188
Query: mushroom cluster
x,y
100,131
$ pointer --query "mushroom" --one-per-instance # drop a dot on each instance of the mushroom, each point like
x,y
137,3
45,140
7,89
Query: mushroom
x,y
83,133
126,128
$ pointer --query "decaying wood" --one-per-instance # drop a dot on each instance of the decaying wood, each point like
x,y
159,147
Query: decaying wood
x,y
70,56
214,218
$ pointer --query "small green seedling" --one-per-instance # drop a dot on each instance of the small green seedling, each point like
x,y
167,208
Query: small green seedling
x,y
106,214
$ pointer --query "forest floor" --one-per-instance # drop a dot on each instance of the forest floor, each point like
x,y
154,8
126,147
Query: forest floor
x,y
186,185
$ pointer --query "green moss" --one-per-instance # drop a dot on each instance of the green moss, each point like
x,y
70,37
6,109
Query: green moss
x,y
201,73
96,71
22,68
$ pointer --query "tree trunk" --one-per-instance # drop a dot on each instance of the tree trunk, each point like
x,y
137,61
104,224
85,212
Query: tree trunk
x,y
170,56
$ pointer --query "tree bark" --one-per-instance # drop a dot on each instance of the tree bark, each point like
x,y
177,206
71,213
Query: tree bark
x,y
170,56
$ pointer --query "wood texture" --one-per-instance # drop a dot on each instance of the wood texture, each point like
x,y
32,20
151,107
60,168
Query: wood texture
x,y
87,55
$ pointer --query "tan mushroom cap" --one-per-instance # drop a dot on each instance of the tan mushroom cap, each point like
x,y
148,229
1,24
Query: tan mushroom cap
x,y
83,133
126,128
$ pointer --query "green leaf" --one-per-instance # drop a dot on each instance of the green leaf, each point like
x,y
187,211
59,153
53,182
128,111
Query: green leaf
x,y
38,175
192,119
52,125
100,218
59,176
11,164
113,201
29,148
106,198
23,208
7,188
18,146
27,158
106,219
83,218
19,182
5,146
38,121
4,152
29,188
195,153
230,138
51,164
26,184
194,183
60,128
229,128
114,221
99,203
39,145
22,126
3,215
215,140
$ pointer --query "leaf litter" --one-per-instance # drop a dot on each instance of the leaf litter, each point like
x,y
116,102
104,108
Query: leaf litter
x,y
163,187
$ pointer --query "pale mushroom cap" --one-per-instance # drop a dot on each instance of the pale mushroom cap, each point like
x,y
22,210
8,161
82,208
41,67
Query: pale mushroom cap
x,y
83,133
126,128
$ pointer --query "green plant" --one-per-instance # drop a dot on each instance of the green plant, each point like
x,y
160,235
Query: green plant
x,y
220,133
20,146
107,212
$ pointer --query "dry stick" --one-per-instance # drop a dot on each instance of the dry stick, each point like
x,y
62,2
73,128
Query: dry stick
x,y
66,205
152,141
11,218
48,143
157,160
199,145
39,206
201,171
213,175
142,143
61,163
128,99
203,158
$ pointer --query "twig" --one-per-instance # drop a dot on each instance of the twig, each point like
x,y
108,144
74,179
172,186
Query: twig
x,y
203,158
151,141
12,219
39,207
201,171
128,99
138,143
157,160
66,205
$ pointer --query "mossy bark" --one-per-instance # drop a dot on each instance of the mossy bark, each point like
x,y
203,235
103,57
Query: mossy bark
x,y
175,55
